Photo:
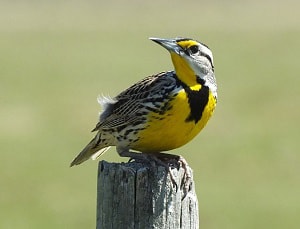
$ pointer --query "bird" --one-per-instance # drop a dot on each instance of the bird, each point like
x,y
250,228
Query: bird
x,y
161,112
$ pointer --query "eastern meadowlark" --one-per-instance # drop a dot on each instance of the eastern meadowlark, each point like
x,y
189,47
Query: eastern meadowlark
x,y
161,112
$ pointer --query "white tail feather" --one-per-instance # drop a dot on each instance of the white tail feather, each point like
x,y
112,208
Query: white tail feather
x,y
96,155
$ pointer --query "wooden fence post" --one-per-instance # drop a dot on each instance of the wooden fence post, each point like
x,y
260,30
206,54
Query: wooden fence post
x,y
140,196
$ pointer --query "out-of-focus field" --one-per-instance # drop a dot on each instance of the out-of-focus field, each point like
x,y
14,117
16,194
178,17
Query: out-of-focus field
x,y
56,58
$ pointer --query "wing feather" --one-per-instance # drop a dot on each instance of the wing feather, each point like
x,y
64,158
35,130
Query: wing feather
x,y
130,105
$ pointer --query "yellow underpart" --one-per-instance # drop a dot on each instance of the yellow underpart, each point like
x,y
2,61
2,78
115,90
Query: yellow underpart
x,y
183,71
173,131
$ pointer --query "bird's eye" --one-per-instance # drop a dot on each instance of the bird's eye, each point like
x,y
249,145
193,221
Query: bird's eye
x,y
194,49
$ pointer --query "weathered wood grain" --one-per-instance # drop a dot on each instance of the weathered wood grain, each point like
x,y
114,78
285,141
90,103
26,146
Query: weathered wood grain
x,y
140,196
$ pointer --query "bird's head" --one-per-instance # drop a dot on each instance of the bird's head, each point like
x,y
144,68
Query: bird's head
x,y
192,60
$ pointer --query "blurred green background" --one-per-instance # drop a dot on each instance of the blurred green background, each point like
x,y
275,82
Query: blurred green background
x,y
56,57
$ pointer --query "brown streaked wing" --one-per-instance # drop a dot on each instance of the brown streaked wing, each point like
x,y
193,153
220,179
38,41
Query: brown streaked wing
x,y
132,104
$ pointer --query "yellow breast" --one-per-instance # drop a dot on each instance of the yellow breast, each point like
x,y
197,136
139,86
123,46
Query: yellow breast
x,y
171,130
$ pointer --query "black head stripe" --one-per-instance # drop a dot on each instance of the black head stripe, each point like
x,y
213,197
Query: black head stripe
x,y
179,39
208,57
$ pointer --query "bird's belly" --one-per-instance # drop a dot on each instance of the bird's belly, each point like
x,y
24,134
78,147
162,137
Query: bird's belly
x,y
171,129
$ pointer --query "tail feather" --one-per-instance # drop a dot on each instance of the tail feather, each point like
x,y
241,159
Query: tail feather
x,y
98,154
92,150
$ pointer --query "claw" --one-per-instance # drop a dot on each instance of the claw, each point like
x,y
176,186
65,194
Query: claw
x,y
168,161
186,182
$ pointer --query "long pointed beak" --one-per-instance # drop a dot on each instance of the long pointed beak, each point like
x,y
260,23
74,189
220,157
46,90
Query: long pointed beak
x,y
169,44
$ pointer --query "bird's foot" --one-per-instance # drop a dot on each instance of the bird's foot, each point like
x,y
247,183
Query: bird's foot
x,y
168,161
178,161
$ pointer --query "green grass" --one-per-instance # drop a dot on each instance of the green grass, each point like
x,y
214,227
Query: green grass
x,y
56,58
